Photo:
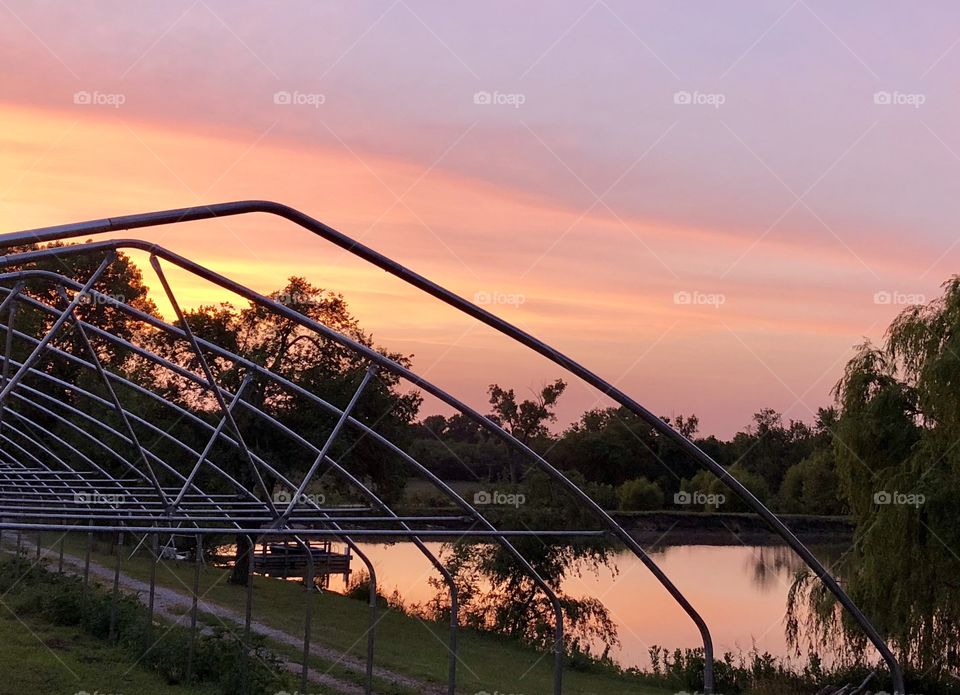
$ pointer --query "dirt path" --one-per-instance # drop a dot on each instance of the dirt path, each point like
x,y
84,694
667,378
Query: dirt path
x,y
174,606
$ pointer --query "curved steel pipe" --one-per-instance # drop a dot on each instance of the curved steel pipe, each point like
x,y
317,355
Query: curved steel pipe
x,y
343,241
558,646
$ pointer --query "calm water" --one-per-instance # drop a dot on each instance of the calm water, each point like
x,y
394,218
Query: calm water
x,y
740,591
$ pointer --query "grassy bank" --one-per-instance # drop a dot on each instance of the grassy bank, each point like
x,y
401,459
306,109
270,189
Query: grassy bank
x,y
417,649
38,657
403,643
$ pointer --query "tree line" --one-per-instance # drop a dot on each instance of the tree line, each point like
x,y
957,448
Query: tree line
x,y
788,464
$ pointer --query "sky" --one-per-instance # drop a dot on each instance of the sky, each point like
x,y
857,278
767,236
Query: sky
x,y
708,204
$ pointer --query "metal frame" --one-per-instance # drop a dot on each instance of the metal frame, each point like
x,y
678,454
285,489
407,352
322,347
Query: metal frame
x,y
39,487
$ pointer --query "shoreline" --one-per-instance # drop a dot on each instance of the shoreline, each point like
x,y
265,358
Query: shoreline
x,y
672,528
730,528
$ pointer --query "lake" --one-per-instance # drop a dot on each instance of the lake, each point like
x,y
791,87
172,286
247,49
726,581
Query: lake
x,y
741,591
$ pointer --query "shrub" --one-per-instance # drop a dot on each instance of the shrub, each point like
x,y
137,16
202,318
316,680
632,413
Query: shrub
x,y
640,494
218,657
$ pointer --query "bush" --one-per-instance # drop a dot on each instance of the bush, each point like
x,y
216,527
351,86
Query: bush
x,y
359,589
218,657
640,495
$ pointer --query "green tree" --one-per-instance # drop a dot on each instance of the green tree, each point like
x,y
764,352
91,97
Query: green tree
x,y
899,467
526,420
812,487
613,445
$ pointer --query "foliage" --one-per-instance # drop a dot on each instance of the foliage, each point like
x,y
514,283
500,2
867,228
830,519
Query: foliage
x,y
311,361
640,494
497,594
525,420
812,486
900,470
64,600
755,673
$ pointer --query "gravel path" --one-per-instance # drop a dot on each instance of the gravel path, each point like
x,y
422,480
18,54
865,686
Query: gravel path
x,y
174,606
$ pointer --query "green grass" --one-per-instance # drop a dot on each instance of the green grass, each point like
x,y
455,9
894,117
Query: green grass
x,y
40,658
403,644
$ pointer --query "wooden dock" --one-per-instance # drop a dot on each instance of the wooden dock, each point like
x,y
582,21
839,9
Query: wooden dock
x,y
288,560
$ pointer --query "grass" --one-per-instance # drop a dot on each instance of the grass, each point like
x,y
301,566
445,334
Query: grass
x,y
40,658
403,644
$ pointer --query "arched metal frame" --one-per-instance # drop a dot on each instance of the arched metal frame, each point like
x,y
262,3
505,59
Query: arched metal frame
x,y
42,496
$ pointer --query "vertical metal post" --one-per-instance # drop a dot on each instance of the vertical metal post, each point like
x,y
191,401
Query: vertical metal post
x,y
307,617
116,587
86,560
155,551
60,557
452,647
198,560
371,624
248,615
558,652
39,544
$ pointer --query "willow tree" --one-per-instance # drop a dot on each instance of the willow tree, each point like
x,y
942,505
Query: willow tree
x,y
897,446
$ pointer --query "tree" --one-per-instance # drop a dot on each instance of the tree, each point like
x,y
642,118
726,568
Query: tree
x,y
899,467
526,420
310,360
768,448
496,593
613,445
812,487
121,281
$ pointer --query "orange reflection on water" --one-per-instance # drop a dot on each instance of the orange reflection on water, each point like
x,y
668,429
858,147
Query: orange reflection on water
x,y
740,591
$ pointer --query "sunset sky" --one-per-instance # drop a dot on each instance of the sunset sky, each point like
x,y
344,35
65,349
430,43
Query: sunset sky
x,y
777,163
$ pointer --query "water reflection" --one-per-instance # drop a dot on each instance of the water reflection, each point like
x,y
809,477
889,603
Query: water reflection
x,y
740,590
